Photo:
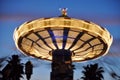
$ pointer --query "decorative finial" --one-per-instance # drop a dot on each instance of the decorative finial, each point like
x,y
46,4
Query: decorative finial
x,y
63,12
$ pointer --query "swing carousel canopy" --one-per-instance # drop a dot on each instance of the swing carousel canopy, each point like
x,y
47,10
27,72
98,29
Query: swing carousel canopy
x,y
84,39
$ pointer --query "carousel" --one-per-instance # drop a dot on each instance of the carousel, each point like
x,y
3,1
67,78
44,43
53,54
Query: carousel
x,y
62,40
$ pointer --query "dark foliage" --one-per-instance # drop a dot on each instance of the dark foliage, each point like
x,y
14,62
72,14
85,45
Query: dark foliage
x,y
13,70
28,69
92,72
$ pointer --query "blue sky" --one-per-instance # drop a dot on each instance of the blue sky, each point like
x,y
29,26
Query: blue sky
x,y
103,12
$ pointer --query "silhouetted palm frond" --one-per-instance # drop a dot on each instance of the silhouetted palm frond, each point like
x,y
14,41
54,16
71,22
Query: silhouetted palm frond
x,y
92,72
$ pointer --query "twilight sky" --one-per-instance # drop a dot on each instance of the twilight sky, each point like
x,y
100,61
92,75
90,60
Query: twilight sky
x,y
102,12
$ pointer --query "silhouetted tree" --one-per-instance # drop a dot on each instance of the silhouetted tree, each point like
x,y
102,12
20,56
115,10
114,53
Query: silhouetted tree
x,y
1,61
92,72
13,70
28,69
